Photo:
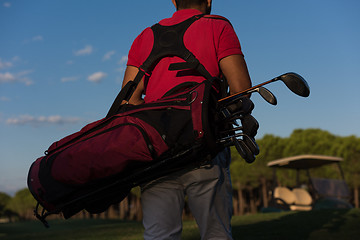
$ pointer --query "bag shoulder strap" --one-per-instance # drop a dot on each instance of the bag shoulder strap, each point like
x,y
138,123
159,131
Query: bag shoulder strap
x,y
168,41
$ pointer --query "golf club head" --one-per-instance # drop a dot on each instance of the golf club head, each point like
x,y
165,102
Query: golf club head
x,y
267,95
296,84
251,144
244,151
236,108
250,125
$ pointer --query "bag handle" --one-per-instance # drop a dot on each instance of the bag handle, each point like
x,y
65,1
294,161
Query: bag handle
x,y
125,93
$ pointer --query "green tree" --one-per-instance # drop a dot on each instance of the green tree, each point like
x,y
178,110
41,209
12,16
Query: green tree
x,y
350,151
4,200
271,148
309,141
23,204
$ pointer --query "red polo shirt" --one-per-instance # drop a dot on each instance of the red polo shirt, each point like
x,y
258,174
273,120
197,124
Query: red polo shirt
x,y
208,39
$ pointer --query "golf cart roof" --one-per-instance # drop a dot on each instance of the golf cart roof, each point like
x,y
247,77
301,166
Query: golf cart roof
x,y
304,161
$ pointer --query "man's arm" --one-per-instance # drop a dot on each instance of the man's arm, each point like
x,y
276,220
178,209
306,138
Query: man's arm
x,y
236,73
130,74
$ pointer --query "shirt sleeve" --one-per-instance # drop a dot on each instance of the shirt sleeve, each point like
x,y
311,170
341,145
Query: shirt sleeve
x,y
228,42
141,48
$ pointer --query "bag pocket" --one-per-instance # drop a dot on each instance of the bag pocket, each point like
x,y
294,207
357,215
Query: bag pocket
x,y
124,142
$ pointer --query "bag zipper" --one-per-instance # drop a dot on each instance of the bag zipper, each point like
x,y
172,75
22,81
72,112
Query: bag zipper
x,y
159,105
149,145
97,128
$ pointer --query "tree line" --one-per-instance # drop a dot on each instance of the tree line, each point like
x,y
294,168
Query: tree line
x,y
251,182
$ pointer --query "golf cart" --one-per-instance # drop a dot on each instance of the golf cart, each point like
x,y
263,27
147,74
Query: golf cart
x,y
315,193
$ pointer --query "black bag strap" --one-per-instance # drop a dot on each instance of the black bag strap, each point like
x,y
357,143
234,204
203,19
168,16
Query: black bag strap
x,y
168,41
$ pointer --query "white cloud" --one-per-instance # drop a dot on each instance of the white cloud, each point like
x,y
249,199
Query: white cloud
x,y
97,77
4,99
108,55
36,121
5,64
69,79
7,77
87,50
122,62
7,4
17,77
23,73
15,58
38,38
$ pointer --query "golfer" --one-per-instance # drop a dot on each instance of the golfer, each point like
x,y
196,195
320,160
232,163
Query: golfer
x,y
214,43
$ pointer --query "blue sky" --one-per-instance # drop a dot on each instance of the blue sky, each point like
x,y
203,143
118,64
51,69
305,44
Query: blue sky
x,y
62,63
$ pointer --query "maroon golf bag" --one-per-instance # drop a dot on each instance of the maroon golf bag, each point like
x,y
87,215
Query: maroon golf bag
x,y
128,148
97,166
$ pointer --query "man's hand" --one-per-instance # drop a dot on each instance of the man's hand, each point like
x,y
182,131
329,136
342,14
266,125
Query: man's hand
x,y
136,97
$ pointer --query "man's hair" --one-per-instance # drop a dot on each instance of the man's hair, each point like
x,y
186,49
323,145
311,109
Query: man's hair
x,y
183,4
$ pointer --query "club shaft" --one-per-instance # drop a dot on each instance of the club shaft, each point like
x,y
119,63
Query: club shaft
x,y
246,91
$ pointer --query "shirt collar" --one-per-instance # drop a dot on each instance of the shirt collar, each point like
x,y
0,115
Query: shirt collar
x,y
186,13
180,16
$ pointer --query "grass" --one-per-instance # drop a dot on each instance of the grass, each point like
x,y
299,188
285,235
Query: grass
x,y
314,225
320,224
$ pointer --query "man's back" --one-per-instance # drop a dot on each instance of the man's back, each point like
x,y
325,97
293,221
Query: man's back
x,y
210,39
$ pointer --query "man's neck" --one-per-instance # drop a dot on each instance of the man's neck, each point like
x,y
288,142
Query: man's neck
x,y
202,8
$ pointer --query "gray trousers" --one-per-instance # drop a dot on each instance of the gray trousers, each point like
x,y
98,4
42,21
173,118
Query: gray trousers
x,y
209,193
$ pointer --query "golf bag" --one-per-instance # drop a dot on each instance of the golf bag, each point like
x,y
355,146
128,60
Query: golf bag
x,y
97,166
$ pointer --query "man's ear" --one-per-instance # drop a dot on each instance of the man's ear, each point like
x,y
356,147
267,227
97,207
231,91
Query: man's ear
x,y
209,2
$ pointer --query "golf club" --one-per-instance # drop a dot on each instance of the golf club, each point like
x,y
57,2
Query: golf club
x,y
248,150
266,95
249,125
293,81
231,108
